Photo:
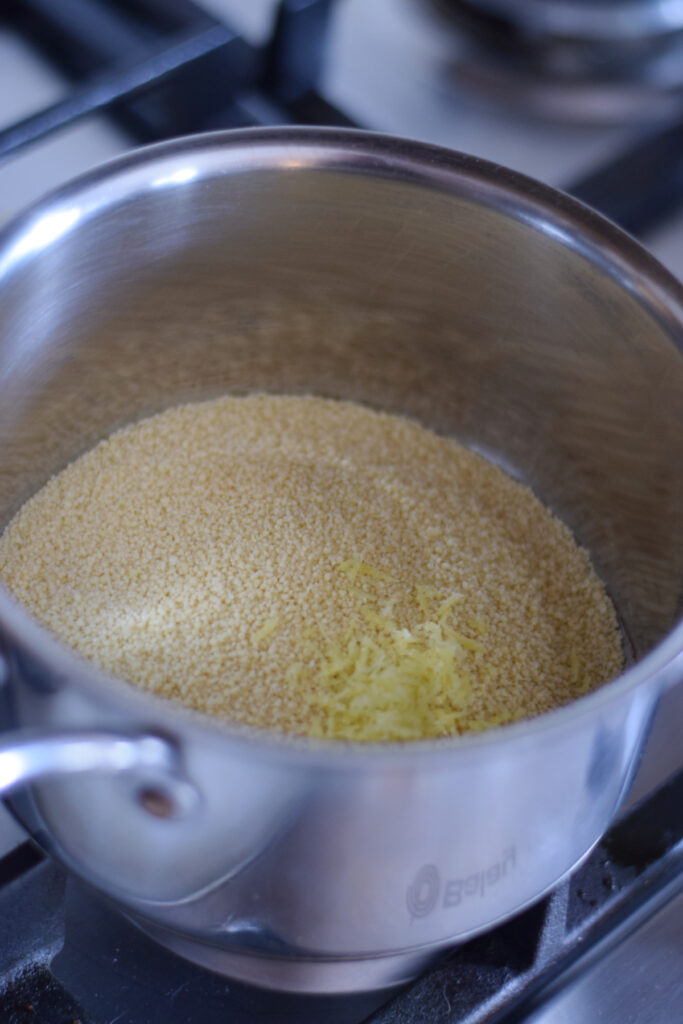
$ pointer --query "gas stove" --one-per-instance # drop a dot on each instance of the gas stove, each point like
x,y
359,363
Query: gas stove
x,y
86,79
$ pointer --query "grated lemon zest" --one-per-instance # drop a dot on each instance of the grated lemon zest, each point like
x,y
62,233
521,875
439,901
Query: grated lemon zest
x,y
385,681
266,630
355,567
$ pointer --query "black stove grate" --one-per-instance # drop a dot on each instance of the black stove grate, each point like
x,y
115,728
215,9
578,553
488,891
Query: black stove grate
x,y
163,69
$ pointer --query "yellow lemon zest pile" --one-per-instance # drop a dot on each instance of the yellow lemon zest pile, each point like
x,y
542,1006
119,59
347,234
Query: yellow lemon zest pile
x,y
387,682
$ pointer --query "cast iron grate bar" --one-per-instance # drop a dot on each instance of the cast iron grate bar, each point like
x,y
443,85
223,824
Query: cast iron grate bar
x,y
640,187
106,89
163,70
38,998
84,37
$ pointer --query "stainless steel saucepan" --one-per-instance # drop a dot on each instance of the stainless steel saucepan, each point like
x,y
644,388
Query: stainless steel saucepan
x,y
416,280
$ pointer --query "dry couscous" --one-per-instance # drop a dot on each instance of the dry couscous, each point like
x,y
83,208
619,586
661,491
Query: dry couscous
x,y
314,567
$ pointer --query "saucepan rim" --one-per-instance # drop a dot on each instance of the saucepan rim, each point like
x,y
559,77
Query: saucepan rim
x,y
290,149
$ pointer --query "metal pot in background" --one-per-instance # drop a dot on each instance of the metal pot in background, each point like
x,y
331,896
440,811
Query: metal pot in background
x,y
611,61
610,20
419,281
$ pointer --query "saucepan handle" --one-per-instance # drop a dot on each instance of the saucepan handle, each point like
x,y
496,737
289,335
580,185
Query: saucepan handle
x,y
151,763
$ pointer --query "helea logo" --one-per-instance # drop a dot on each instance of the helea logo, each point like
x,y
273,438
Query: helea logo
x,y
423,894
427,891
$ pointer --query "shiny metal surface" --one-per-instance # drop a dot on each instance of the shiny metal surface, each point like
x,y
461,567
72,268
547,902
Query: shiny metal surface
x,y
149,760
312,975
419,281
611,63
609,20
663,755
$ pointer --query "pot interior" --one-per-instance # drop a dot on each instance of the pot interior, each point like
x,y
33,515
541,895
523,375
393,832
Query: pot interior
x,y
448,304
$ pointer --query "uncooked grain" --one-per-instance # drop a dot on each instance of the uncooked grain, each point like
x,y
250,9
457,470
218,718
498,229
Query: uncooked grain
x,y
314,567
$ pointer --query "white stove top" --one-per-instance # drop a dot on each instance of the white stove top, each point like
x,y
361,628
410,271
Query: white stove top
x,y
389,67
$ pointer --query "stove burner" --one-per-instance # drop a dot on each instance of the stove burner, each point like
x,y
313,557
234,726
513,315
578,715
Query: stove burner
x,y
571,60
